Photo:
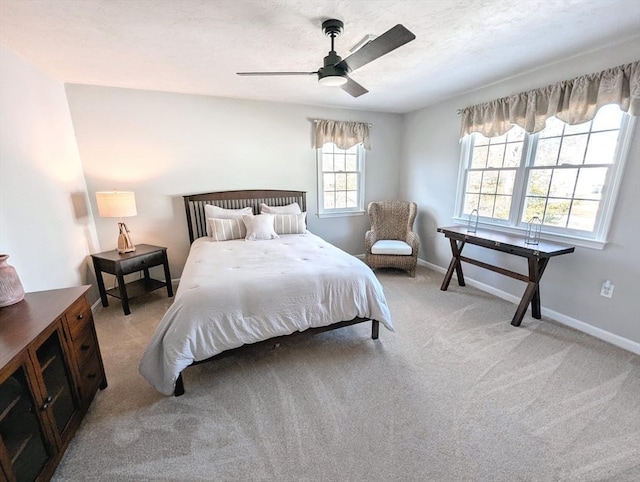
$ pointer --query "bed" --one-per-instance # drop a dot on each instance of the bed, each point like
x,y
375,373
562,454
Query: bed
x,y
234,293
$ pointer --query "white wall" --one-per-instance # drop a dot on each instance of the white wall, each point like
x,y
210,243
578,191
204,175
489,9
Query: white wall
x,y
571,285
45,223
163,146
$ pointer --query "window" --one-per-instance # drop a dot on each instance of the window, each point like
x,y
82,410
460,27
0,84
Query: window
x,y
340,180
567,176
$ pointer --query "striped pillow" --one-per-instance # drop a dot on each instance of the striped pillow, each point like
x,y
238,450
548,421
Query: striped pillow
x,y
290,223
227,229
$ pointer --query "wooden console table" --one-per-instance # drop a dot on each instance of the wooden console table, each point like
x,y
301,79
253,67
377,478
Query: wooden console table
x,y
537,255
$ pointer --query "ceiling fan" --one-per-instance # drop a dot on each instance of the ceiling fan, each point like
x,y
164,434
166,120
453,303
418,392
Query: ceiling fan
x,y
335,70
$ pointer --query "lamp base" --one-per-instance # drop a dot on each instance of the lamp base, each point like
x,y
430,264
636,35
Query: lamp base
x,y
124,241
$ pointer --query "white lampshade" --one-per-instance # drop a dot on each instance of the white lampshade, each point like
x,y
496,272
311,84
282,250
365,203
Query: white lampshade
x,y
116,204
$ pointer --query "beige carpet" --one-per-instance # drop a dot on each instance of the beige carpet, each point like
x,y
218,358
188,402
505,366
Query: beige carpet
x,y
456,393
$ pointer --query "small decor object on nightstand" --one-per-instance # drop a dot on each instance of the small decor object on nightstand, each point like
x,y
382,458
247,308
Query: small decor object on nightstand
x,y
118,204
534,226
11,290
472,224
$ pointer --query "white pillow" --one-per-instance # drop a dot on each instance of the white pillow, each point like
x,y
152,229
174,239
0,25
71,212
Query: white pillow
x,y
293,208
226,229
259,227
290,223
211,211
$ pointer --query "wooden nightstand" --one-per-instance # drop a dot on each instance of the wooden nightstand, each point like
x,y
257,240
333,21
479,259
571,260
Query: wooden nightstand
x,y
144,257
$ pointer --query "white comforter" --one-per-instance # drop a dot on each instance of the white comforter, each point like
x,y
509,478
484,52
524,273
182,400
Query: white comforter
x,y
236,292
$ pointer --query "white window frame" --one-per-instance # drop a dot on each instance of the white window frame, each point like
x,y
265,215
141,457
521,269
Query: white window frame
x,y
596,239
336,212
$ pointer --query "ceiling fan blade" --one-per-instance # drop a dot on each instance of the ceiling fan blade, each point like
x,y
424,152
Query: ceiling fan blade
x,y
276,73
385,43
353,88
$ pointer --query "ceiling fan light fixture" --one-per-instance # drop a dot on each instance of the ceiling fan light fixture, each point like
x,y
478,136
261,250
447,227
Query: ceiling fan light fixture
x,y
332,80
335,71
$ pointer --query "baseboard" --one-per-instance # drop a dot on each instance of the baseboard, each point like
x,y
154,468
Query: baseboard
x,y
617,340
96,304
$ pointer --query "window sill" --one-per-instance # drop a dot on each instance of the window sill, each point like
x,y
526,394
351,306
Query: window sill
x,y
552,237
339,214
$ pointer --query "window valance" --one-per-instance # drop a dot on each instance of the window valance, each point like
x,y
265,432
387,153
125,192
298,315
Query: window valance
x,y
344,134
572,101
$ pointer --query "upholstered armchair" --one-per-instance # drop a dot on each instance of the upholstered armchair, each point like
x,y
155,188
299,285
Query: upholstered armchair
x,y
391,242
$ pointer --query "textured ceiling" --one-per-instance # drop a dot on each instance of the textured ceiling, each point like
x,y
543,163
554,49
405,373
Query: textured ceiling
x,y
196,46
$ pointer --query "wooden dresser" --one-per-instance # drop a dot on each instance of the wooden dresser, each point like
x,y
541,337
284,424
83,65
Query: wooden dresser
x,y
50,370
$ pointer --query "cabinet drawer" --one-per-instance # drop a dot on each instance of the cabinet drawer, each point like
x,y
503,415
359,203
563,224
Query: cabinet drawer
x,y
90,377
141,262
84,346
78,316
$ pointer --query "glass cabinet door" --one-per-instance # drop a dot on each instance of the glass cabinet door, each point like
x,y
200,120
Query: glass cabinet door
x,y
59,398
20,429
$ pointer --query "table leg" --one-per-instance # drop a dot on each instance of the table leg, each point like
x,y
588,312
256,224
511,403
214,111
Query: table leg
x,y
538,269
167,276
524,303
532,292
455,264
535,298
147,277
100,281
122,287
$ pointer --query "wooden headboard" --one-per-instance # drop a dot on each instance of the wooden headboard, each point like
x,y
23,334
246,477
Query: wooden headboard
x,y
194,204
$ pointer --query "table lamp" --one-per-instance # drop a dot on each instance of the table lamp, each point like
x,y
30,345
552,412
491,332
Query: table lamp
x,y
118,204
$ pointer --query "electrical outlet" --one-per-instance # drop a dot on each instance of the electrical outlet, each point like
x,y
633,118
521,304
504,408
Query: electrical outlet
x,y
607,289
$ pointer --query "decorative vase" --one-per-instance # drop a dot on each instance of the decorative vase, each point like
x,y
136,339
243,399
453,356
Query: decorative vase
x,y
11,290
